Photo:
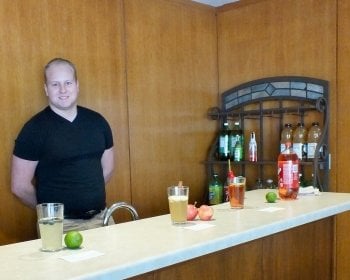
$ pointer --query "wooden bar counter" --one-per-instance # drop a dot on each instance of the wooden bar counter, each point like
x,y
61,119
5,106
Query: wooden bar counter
x,y
283,240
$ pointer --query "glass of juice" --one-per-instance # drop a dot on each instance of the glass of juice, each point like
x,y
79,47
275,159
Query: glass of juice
x,y
178,200
50,220
236,191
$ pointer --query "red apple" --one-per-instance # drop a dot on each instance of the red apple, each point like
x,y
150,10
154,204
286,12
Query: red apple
x,y
192,211
205,212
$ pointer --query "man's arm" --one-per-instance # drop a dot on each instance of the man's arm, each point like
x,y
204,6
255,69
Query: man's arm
x,y
107,162
22,174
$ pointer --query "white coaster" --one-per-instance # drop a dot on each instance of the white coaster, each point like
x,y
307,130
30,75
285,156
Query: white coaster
x,y
82,256
271,209
201,226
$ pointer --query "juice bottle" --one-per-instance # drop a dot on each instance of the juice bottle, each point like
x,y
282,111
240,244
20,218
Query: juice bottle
x,y
313,139
286,136
288,173
299,141
215,190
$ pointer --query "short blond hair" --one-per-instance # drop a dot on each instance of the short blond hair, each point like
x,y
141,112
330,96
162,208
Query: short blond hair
x,y
59,60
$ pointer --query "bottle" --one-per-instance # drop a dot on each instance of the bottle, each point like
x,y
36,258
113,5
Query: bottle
x,y
258,184
253,148
286,136
215,190
270,184
237,143
223,152
299,141
229,181
288,173
313,138
233,139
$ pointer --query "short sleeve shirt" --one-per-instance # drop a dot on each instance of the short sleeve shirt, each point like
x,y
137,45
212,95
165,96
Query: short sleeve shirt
x,y
69,155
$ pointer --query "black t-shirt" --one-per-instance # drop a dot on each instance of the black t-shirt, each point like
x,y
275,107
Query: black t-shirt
x,y
69,154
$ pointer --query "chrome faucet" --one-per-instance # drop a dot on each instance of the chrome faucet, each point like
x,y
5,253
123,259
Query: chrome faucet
x,y
116,206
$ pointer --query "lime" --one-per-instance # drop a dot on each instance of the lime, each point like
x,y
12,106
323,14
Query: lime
x,y
271,197
73,239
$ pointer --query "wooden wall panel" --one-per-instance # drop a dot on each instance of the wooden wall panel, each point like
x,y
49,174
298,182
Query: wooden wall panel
x,y
343,135
171,81
258,39
264,259
33,32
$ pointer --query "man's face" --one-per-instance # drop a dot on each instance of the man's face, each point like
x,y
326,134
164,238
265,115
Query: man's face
x,y
61,87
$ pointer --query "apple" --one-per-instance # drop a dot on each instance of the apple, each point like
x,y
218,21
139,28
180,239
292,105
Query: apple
x,y
192,211
205,212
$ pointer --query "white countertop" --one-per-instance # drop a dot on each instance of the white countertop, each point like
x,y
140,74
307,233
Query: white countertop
x,y
141,246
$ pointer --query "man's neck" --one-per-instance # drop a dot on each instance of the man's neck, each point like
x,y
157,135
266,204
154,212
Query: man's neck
x,y
69,114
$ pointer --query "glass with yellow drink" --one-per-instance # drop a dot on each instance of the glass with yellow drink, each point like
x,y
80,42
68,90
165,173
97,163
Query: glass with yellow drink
x,y
178,200
50,220
236,191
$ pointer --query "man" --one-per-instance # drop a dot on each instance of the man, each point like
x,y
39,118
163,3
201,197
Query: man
x,y
64,153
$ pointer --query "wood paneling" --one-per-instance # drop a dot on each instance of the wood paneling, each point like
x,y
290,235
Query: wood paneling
x,y
154,67
343,134
171,80
162,95
33,32
258,39
276,37
304,252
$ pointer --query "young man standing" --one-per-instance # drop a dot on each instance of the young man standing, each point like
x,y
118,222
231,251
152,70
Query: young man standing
x,y
64,153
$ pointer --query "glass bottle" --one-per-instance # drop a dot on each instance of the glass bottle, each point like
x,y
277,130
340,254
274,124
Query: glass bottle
x,y
253,148
286,136
215,190
237,143
270,184
313,138
233,138
288,173
258,184
299,141
223,152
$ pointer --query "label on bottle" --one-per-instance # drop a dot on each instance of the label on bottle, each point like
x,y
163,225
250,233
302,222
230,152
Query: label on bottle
x,y
300,150
311,148
253,153
238,153
211,194
223,146
215,194
288,173
282,147
226,197
233,145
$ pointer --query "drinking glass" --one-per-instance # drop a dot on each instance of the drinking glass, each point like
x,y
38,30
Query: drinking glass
x,y
50,220
178,200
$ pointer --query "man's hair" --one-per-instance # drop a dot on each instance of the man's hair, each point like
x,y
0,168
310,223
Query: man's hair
x,y
59,60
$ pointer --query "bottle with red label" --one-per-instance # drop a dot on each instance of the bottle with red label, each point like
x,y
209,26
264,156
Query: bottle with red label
x,y
288,173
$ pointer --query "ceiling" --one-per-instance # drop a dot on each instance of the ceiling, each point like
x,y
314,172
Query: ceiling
x,y
215,3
